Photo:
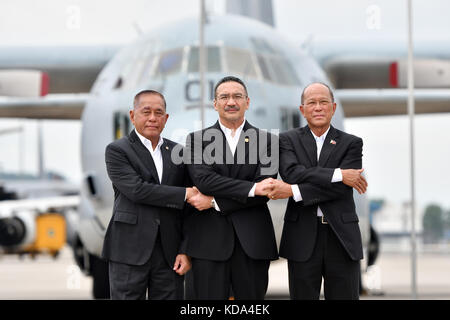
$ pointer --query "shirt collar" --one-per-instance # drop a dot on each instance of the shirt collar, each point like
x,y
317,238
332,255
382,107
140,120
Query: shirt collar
x,y
322,137
147,142
228,130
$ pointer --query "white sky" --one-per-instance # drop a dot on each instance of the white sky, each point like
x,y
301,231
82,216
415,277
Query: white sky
x,y
345,22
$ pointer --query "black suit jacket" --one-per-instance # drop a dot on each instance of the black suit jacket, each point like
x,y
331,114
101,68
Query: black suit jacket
x,y
210,232
143,204
298,165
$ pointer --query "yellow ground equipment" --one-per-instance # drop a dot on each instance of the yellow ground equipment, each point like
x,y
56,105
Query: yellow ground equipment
x,y
50,234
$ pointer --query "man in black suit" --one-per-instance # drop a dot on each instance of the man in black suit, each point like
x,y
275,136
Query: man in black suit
x,y
143,242
232,241
320,166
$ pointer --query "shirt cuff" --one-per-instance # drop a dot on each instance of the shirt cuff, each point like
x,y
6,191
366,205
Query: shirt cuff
x,y
297,196
251,193
337,175
216,206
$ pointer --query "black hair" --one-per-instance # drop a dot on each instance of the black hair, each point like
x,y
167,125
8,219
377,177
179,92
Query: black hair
x,y
228,79
138,95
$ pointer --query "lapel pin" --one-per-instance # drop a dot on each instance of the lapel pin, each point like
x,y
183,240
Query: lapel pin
x,y
332,141
167,148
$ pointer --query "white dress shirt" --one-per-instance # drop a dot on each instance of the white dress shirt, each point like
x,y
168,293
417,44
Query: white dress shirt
x,y
337,175
156,154
232,141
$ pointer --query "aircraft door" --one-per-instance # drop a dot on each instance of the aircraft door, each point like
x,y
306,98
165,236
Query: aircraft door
x,y
290,118
121,124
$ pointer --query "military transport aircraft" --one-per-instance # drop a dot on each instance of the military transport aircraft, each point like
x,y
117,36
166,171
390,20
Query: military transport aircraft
x,y
167,59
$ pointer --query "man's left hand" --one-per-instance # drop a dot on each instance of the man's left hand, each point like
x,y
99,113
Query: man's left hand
x,y
182,264
281,190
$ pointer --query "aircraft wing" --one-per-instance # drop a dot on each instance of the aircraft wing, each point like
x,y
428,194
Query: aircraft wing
x,y
356,103
71,69
377,86
383,102
52,106
49,82
41,205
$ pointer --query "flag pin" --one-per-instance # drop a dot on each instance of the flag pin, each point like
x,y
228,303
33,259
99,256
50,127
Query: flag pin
x,y
332,141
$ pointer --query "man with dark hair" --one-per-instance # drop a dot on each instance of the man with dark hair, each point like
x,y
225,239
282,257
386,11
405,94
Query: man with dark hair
x,y
232,241
320,166
143,242
147,91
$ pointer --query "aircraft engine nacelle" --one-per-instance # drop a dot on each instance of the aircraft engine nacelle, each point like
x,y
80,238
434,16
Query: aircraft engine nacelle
x,y
23,83
428,73
12,231
17,231
30,232
352,73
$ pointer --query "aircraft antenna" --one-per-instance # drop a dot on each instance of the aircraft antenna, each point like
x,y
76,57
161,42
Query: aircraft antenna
x,y
40,150
261,10
202,61
21,143
411,139
138,28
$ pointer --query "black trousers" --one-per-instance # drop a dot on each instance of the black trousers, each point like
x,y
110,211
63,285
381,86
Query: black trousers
x,y
241,276
329,260
156,276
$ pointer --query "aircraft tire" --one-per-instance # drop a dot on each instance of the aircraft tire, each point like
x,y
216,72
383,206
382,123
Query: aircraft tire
x,y
374,247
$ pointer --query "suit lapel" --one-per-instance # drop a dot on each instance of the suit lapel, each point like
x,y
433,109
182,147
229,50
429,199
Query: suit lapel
x,y
243,144
307,140
226,151
227,155
167,162
143,154
328,146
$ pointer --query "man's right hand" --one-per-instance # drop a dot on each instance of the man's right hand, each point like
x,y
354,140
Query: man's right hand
x,y
354,179
200,201
190,192
264,187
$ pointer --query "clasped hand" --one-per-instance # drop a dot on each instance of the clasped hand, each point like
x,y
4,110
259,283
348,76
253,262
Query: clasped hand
x,y
277,189
273,189
197,199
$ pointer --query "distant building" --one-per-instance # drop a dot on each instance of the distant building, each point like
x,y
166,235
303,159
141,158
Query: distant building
x,y
394,220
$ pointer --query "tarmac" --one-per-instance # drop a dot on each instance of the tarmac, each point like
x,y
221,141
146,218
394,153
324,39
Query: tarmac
x,y
46,278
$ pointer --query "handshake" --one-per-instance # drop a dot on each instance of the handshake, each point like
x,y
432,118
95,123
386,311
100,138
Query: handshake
x,y
198,200
276,189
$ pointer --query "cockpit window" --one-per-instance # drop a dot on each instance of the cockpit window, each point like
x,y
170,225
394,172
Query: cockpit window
x,y
262,46
240,62
263,61
282,71
273,64
170,62
264,68
126,73
136,63
290,73
214,62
